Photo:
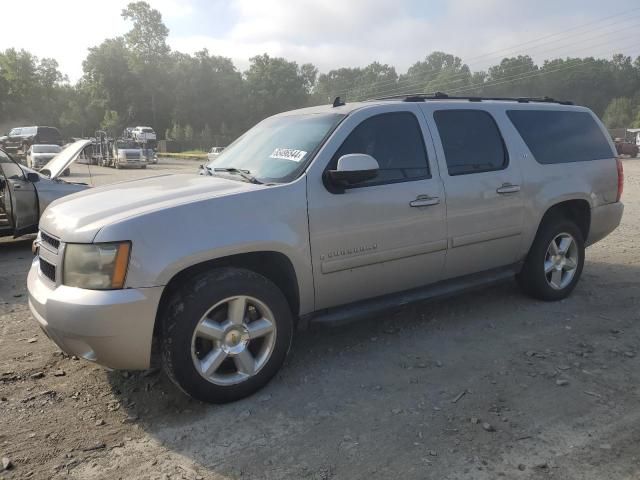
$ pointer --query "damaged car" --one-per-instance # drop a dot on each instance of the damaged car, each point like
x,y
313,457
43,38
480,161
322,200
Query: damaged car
x,y
25,193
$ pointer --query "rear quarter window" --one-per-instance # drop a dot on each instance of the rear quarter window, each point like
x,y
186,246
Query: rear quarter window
x,y
48,132
561,136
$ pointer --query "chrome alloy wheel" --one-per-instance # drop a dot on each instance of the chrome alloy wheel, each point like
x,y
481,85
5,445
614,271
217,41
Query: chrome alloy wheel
x,y
233,340
561,261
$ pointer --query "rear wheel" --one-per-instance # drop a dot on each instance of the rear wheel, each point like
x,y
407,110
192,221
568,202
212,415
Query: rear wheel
x,y
225,334
554,263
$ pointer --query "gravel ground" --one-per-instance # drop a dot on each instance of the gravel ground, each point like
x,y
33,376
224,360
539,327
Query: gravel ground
x,y
491,384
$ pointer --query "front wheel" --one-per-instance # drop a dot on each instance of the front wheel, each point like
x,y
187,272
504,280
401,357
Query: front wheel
x,y
225,334
554,264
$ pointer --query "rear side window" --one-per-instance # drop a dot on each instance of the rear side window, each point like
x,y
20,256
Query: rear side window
x,y
471,141
395,141
561,136
48,133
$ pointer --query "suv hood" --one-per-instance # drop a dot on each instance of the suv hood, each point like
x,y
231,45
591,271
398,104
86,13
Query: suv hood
x,y
66,157
79,217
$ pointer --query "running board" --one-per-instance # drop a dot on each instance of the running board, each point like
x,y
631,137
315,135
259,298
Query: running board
x,y
352,312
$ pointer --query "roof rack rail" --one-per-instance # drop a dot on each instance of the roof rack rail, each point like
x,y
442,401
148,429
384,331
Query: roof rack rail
x,y
422,97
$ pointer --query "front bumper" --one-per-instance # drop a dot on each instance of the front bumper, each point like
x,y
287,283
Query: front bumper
x,y
604,220
111,327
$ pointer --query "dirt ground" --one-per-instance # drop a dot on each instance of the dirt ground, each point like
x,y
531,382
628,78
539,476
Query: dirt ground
x,y
489,384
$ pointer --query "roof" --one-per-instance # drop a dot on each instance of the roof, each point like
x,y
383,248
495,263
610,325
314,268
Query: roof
x,y
439,99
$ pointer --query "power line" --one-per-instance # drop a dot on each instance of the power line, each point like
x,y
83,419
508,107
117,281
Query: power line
x,y
463,75
563,33
467,63
531,75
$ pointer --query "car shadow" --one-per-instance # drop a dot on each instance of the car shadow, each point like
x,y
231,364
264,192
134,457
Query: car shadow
x,y
365,397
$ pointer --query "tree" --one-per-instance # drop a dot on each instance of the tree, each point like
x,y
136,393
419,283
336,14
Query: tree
x,y
439,71
273,85
619,113
111,122
206,134
177,133
355,83
188,133
147,43
109,78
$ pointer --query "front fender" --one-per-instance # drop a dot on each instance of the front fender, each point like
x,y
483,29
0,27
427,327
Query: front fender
x,y
165,242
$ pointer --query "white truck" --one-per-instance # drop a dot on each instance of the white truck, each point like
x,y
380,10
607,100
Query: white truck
x,y
143,134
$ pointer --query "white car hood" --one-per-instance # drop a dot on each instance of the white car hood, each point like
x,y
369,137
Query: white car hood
x,y
79,217
66,157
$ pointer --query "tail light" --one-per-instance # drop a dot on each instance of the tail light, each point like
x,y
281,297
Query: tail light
x,y
620,179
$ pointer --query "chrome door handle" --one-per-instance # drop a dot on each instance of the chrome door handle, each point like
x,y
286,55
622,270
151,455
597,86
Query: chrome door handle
x,y
508,188
17,186
424,201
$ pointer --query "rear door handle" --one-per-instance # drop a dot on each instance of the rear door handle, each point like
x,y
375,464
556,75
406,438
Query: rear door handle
x,y
424,201
508,188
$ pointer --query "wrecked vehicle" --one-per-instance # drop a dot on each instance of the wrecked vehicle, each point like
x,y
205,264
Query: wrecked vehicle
x,y
25,193
324,214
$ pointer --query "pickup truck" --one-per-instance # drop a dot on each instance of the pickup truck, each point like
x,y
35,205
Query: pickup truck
x,y
325,214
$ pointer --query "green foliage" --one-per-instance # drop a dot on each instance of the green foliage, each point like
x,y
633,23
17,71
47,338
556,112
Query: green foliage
x,y
618,113
176,133
136,79
111,122
188,133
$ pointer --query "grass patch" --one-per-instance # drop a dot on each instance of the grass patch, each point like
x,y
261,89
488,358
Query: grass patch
x,y
194,152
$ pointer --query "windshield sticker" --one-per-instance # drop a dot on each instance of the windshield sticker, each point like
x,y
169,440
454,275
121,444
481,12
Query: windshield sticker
x,y
288,154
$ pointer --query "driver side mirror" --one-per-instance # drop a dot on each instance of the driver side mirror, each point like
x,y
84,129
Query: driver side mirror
x,y
352,169
33,177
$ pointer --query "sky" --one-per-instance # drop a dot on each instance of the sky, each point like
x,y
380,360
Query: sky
x,y
337,33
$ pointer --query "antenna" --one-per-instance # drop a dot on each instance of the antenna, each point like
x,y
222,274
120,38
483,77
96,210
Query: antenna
x,y
337,102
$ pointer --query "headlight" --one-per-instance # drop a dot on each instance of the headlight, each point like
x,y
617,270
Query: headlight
x,y
96,266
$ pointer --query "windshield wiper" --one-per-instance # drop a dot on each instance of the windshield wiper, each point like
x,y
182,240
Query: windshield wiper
x,y
246,174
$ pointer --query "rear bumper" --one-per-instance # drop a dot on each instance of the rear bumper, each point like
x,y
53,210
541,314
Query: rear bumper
x,y
111,327
604,220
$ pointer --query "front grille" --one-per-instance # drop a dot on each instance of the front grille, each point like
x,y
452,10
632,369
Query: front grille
x,y
54,242
48,270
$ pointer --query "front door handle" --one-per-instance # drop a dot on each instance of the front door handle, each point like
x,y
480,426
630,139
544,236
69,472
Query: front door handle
x,y
16,186
508,188
424,201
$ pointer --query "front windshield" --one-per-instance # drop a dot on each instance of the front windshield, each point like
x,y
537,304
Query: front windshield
x,y
46,149
277,148
126,144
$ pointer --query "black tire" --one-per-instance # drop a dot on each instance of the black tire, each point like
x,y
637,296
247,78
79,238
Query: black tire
x,y
188,305
532,279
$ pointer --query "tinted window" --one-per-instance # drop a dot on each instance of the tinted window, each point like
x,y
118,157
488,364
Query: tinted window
x,y
561,136
395,141
471,141
48,131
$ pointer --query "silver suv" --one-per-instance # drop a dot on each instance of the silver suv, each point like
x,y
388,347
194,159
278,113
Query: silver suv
x,y
324,214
